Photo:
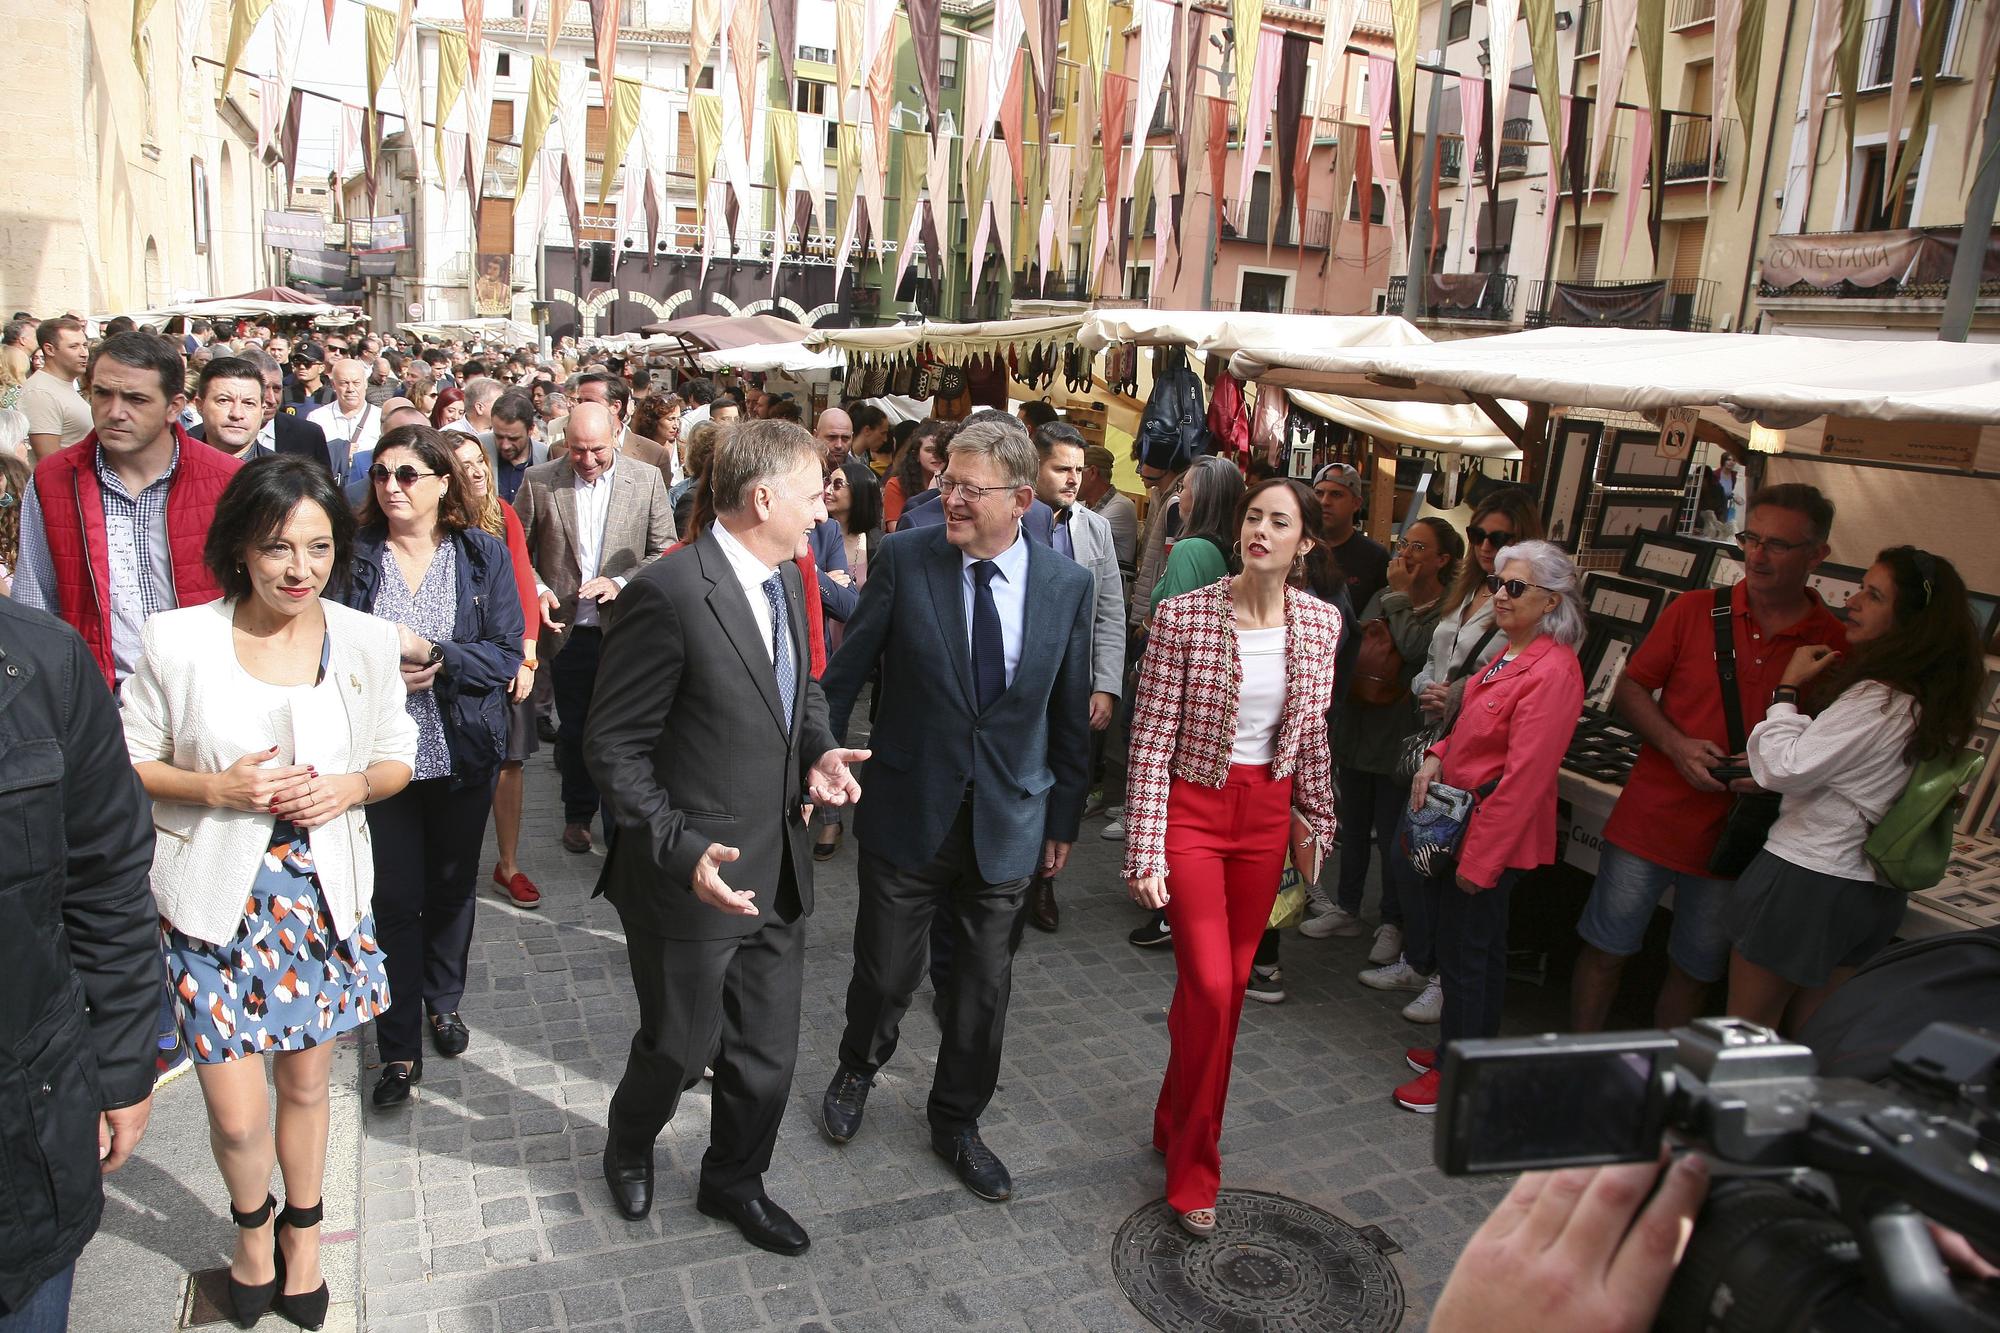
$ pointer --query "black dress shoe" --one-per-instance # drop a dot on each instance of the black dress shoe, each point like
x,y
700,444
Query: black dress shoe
x,y
1042,911
545,729
978,1169
630,1177
840,1110
393,1087
449,1034
762,1222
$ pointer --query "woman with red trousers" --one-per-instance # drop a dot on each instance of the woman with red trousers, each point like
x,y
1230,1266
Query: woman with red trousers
x,y
1514,723
1228,737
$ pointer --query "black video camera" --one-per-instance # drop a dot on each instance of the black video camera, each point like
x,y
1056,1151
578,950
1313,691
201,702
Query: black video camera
x,y
1816,1218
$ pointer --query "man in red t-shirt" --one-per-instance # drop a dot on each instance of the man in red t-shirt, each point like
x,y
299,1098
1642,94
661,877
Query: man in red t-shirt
x,y
1672,811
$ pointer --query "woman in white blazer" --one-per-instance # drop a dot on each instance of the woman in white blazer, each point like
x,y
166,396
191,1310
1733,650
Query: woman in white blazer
x,y
260,725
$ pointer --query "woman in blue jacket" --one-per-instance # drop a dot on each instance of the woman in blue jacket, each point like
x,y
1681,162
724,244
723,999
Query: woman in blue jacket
x,y
422,562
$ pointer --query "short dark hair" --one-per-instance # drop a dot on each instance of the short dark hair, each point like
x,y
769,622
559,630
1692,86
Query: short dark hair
x,y
514,406
698,390
642,379
49,330
118,324
436,449
616,390
864,510
783,407
256,503
229,368
144,351
437,355
1053,433
866,416
394,358
1800,499
1039,413
199,326
474,368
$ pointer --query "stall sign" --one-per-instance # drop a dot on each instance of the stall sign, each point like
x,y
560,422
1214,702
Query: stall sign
x,y
293,231
1917,443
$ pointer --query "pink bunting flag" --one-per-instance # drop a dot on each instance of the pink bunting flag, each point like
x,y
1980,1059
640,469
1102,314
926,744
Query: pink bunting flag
x,y
353,125
475,17
1635,171
1472,119
1263,101
270,113
1621,21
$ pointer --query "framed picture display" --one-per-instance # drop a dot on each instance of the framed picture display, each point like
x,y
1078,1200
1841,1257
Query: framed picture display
x,y
1622,515
1605,653
1989,699
1633,458
1678,562
1567,500
1986,740
1985,610
1725,567
1835,584
1622,603
1302,462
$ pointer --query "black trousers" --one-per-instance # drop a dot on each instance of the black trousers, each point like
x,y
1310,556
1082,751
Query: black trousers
x,y
427,839
575,680
1471,954
733,1003
891,939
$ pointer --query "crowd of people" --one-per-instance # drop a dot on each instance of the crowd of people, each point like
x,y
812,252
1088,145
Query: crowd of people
x,y
324,596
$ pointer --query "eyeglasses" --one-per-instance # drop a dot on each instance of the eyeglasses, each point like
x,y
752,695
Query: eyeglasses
x,y
1514,587
948,488
1487,536
406,476
1750,541
1412,547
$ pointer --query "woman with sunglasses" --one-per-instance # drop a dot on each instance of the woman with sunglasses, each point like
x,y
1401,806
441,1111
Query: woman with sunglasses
x,y
1228,737
1507,742
1464,635
422,561
1838,743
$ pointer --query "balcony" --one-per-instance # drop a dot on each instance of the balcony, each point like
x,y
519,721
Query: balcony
x,y
1514,142
1690,13
1451,157
1247,220
1906,264
1605,173
1878,54
1590,29
1687,152
1485,296
1663,303
1374,17
1253,309
1061,286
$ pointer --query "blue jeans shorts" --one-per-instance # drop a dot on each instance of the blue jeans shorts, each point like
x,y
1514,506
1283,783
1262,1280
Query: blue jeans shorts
x,y
1621,905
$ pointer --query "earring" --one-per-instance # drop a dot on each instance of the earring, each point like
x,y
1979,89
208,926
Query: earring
x,y
1236,549
1299,565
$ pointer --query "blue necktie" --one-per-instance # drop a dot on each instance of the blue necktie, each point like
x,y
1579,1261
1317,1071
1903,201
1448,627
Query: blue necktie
x,y
781,645
989,646
1061,538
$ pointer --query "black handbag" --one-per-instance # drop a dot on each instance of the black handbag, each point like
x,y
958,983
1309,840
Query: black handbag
x,y
1752,813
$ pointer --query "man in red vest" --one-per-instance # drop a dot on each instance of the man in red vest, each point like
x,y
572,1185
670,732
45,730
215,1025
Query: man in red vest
x,y
113,528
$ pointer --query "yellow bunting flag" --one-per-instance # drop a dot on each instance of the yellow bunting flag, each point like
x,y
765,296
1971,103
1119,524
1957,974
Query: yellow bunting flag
x,y
244,15
705,117
452,64
620,119
543,84
1247,18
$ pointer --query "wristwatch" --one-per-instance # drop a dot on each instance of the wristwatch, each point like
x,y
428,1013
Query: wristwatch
x,y
1786,694
436,655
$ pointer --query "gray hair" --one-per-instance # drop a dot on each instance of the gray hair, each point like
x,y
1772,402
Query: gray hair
x,y
1551,570
256,355
755,453
13,431
1002,439
480,392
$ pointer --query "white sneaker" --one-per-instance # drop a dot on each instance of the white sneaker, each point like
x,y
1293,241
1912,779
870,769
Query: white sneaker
x,y
1114,811
1113,832
1337,921
1388,944
1318,900
1428,1007
1398,975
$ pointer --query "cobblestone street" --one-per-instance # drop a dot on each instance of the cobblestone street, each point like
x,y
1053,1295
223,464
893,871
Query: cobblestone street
x,y
482,1205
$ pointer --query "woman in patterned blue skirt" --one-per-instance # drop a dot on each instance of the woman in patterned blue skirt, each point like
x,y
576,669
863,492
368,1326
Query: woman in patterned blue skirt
x,y
260,725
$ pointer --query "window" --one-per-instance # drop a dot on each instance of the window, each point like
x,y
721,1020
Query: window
x,y
812,97
817,54
1870,214
1257,218
505,65
1496,236
198,191
947,62
1461,21
1378,203
1264,293
496,227
705,79
1139,283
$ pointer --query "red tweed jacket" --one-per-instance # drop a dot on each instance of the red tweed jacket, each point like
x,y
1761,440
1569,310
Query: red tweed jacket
x,y
1185,716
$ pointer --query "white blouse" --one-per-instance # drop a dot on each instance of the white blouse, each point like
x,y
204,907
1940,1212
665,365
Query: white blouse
x,y
1838,773
1261,701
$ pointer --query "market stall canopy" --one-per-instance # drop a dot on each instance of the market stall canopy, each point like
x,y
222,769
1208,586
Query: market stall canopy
x,y
264,303
792,358
949,341
1775,378
1228,330
492,328
720,333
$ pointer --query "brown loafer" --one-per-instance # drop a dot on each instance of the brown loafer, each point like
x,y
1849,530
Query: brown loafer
x,y
576,837
1042,911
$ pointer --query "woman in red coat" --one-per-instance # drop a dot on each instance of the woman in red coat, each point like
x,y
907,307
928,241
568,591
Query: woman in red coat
x,y
1513,725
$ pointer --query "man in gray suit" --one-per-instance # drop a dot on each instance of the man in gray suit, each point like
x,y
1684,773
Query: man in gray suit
x,y
708,740
983,638
591,522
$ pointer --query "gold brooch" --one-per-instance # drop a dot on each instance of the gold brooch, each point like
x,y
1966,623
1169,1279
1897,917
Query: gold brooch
x,y
354,681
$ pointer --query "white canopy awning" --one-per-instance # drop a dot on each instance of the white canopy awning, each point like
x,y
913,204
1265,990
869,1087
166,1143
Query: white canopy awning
x,y
1633,370
951,341
1227,330
490,328
791,358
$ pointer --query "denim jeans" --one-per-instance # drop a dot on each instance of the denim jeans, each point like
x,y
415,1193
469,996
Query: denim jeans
x,y
1371,805
46,1310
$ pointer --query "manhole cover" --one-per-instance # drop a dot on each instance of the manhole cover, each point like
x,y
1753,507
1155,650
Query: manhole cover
x,y
1273,1263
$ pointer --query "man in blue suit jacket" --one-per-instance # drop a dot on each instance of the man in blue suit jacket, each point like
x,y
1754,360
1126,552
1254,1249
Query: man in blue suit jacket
x,y
1039,522
978,776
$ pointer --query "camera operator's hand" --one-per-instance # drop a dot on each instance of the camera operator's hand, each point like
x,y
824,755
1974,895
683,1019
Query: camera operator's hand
x,y
1575,1251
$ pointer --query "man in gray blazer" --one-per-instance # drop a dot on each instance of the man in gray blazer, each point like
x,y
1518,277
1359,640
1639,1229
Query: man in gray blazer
x,y
982,637
708,740
591,522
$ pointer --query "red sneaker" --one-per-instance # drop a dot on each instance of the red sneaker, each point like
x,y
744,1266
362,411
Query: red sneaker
x,y
520,890
1423,1059
1420,1094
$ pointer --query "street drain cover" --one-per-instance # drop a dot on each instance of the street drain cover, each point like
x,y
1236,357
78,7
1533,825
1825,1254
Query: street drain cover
x,y
1273,1264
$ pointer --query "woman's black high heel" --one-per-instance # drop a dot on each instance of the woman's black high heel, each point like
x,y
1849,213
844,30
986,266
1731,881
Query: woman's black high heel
x,y
247,1303
307,1309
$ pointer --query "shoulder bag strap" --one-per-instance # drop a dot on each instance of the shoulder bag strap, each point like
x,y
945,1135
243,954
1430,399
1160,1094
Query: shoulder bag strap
x,y
1719,618
1471,659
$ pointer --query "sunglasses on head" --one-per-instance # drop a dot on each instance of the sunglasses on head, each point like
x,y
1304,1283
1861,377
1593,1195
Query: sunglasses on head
x,y
1514,587
406,476
1487,537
